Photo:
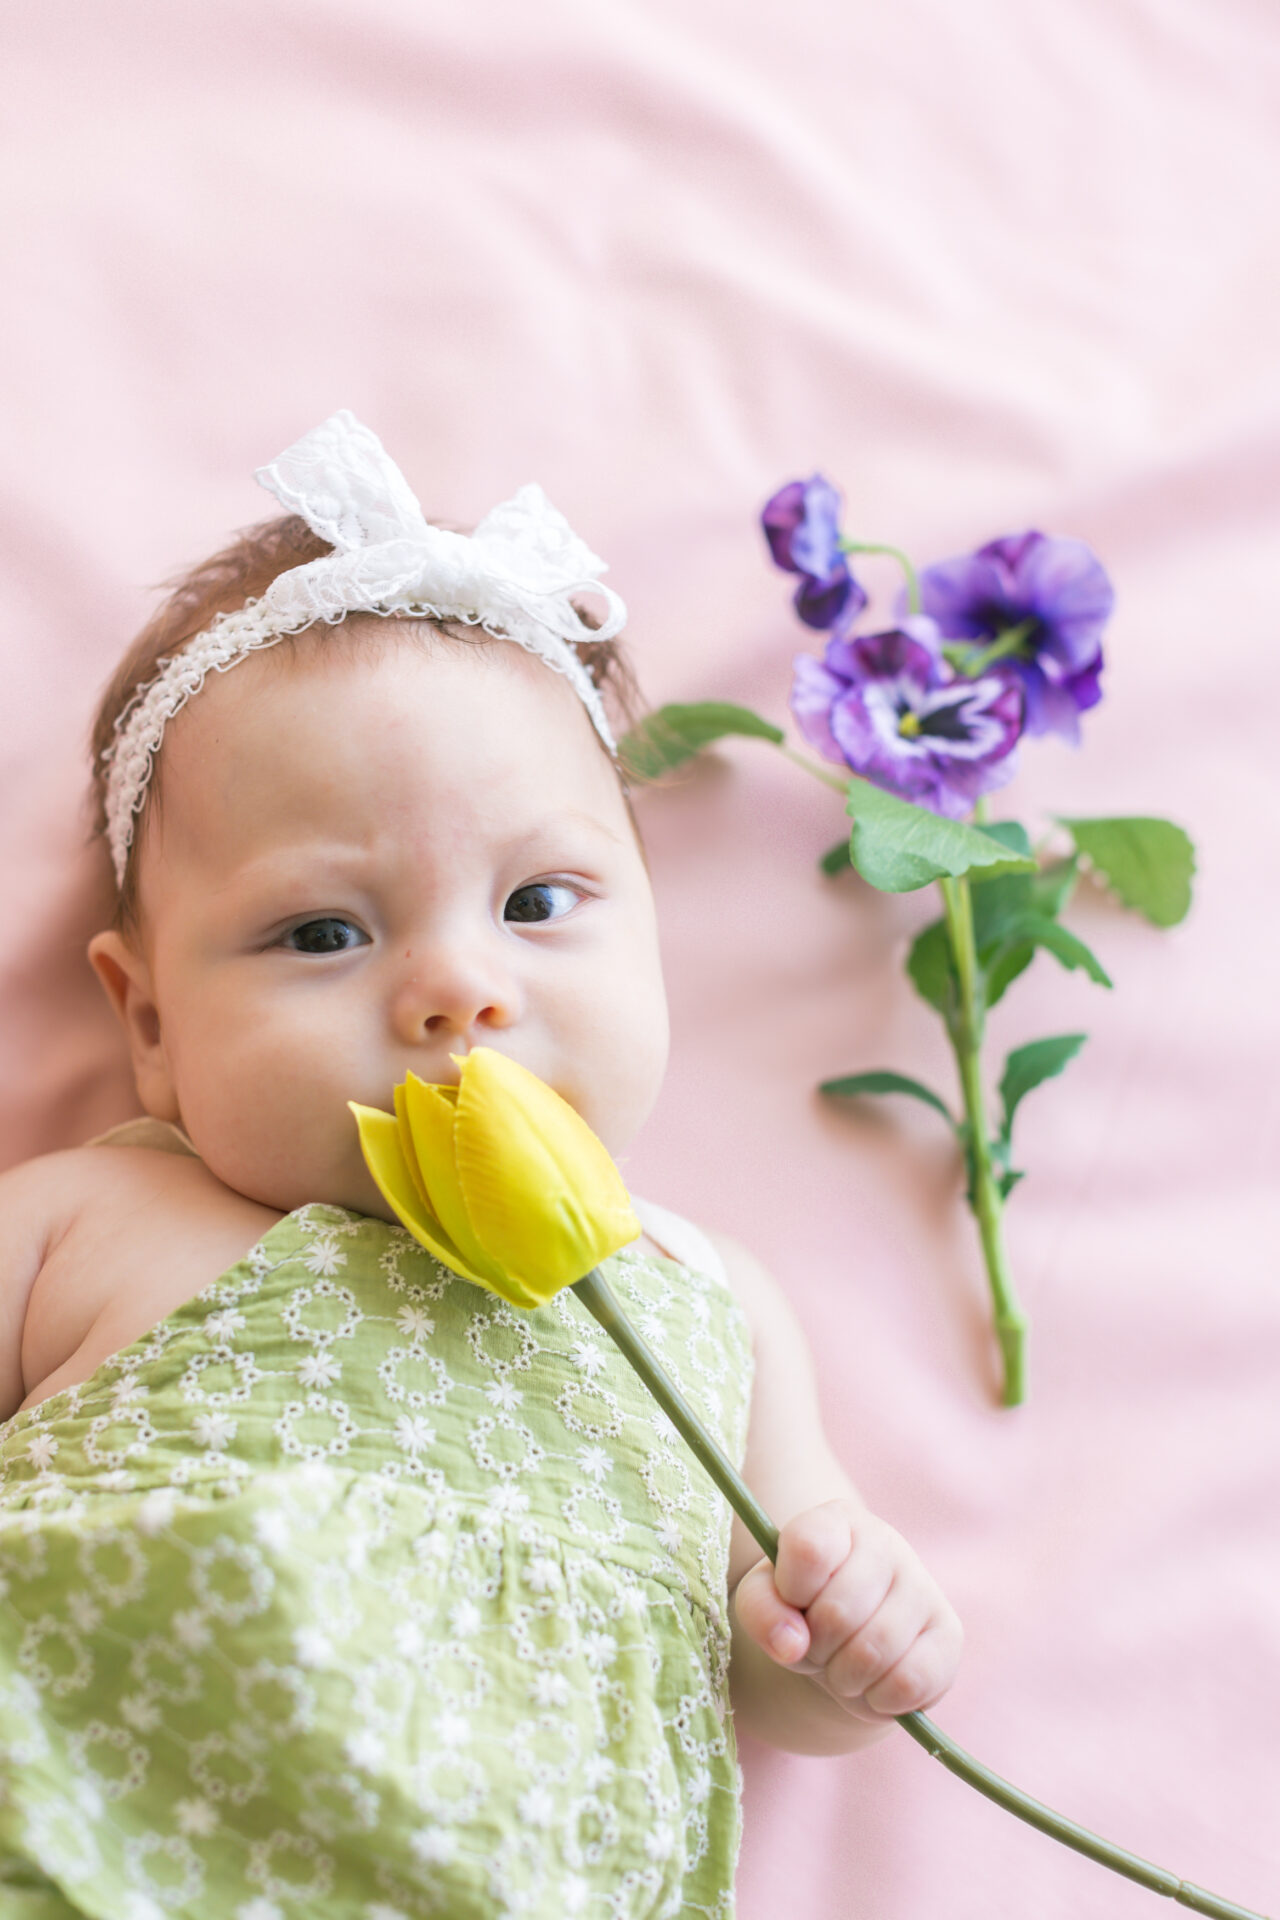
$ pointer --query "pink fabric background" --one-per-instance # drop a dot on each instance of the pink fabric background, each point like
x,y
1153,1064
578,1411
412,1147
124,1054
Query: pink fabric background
x,y
1007,264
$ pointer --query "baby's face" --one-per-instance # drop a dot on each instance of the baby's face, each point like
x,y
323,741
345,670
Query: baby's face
x,y
364,865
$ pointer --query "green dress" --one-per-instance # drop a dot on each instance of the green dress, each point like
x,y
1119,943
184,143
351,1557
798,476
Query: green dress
x,y
350,1592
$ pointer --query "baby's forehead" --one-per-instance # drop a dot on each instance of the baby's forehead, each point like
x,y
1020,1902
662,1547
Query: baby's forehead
x,y
378,720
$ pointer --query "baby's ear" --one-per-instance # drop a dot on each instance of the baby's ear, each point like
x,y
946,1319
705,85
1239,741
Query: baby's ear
x,y
126,980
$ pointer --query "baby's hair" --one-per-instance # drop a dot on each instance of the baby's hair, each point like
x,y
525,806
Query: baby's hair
x,y
224,583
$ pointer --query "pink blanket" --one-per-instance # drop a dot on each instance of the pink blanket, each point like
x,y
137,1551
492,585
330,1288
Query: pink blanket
x,y
988,266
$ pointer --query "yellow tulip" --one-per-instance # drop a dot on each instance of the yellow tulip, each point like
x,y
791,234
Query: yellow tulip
x,y
499,1178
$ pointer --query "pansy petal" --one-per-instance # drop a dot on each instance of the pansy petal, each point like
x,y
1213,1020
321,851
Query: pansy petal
x,y
1066,585
813,693
1086,689
835,599
898,651
967,596
782,515
815,544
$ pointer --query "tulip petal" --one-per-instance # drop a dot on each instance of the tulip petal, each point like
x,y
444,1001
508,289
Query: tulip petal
x,y
384,1156
430,1112
406,1147
541,1191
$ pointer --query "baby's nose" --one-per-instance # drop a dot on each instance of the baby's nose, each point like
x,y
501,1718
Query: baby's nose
x,y
445,991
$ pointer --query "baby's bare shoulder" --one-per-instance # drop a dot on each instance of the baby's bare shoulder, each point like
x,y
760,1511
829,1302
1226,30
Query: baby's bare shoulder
x,y
39,1201
97,1244
43,1199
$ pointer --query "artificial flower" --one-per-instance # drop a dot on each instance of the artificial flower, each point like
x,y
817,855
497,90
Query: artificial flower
x,y
802,525
499,1178
888,706
1048,600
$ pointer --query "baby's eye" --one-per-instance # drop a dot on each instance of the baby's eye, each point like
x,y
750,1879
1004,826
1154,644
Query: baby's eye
x,y
328,935
541,900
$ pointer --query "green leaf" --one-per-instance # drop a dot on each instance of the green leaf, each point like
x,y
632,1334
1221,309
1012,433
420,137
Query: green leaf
x,y
999,899
1027,1067
1052,887
836,858
996,903
898,847
929,966
1004,970
1148,862
1036,930
675,733
1011,834
852,1084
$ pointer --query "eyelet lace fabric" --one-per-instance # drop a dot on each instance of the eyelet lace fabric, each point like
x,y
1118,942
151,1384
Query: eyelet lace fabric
x,y
515,577
349,1590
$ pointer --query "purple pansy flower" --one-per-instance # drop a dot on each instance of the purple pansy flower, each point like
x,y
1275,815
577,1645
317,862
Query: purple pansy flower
x,y
888,706
1058,592
802,525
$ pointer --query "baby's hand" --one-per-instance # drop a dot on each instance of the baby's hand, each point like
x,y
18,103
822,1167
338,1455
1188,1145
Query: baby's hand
x,y
850,1603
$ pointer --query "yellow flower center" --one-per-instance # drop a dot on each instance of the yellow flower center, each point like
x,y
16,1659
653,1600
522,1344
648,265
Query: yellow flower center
x,y
909,725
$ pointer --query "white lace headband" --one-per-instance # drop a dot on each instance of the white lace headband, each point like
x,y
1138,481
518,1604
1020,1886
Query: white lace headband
x,y
514,577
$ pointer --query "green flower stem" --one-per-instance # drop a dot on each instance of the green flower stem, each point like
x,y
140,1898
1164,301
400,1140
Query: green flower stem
x,y
965,1031
819,773
909,573
600,1300
972,661
602,1303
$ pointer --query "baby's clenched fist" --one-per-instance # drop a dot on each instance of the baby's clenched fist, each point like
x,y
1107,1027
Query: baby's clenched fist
x,y
850,1604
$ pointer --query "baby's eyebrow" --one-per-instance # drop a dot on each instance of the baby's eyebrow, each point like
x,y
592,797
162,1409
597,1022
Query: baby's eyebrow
x,y
280,864
578,816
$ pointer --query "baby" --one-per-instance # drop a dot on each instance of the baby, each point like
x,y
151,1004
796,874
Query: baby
x,y
333,1585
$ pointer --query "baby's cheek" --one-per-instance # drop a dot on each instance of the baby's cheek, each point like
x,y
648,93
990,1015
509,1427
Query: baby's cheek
x,y
262,1126
634,1059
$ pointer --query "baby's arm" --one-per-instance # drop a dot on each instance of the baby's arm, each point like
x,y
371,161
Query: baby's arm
x,y
33,1210
849,1630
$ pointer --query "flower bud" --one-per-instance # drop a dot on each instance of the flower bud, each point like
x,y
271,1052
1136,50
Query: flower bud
x,y
499,1178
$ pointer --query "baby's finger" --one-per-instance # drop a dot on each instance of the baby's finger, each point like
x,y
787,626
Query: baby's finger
x,y
923,1674
810,1548
767,1619
862,1664
851,1597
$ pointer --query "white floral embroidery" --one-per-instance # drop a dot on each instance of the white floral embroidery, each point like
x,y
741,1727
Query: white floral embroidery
x,y
41,1450
550,1689
196,1818
214,1430
588,1356
415,1322
537,1807
595,1463
502,1394
325,1257
365,1748
156,1510
273,1528
414,1433
225,1324
435,1846
318,1370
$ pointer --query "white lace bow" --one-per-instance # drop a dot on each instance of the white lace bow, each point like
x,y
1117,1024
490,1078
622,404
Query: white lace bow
x,y
514,577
